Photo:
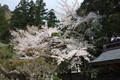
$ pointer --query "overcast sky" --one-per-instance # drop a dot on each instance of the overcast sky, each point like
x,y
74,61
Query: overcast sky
x,y
50,4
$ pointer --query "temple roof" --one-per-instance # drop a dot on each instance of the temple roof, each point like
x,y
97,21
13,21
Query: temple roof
x,y
108,56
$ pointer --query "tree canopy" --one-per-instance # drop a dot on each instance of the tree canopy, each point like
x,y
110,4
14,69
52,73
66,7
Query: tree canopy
x,y
108,25
32,13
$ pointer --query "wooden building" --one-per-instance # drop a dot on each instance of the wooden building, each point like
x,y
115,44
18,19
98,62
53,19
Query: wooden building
x,y
108,62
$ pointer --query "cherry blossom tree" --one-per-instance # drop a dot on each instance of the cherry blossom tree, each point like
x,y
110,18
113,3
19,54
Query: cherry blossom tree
x,y
32,46
31,43
71,39
62,44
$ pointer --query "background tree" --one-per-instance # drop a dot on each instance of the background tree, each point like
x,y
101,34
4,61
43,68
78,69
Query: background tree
x,y
40,14
52,19
4,25
107,26
20,15
31,13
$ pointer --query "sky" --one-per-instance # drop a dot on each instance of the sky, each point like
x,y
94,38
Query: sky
x,y
50,4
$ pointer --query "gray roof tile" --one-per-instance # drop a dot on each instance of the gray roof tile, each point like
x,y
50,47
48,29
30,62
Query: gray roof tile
x,y
108,55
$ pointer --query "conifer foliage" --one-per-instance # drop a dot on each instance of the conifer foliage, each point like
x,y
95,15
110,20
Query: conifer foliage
x,y
31,13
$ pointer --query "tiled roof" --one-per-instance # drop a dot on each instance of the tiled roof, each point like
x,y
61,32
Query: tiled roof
x,y
108,56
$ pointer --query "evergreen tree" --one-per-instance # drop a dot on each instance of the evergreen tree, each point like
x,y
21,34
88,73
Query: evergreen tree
x,y
4,29
40,14
20,15
98,6
52,19
31,13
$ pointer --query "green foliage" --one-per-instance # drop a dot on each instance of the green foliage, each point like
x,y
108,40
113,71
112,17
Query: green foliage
x,y
114,23
39,67
41,13
107,9
4,29
6,54
20,15
62,68
54,34
30,13
52,19
108,26
56,78
94,73
102,7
